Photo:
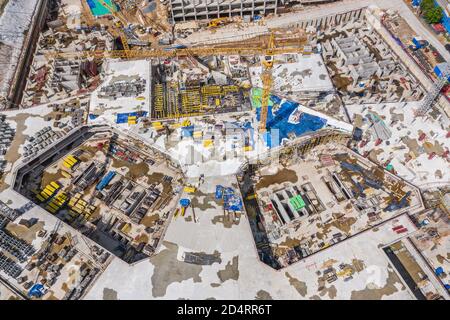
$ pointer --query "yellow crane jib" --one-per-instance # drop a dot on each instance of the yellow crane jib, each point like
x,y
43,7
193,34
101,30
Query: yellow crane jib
x,y
118,33
267,80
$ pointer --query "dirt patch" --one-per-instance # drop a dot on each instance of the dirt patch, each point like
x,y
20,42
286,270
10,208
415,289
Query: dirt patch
x,y
207,201
168,269
150,221
19,139
22,232
109,294
373,155
135,170
231,271
300,286
284,175
227,220
263,295
331,291
344,224
289,242
412,145
49,177
378,293
358,265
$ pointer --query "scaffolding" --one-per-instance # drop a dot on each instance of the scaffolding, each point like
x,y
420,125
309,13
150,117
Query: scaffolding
x,y
435,90
172,101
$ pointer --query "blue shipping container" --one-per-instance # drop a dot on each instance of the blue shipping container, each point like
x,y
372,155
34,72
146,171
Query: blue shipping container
x,y
106,179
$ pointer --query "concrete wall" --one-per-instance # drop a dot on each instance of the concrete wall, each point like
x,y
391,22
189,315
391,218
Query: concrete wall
x,y
183,10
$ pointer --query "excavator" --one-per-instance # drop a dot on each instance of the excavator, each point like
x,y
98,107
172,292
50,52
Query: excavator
x,y
214,23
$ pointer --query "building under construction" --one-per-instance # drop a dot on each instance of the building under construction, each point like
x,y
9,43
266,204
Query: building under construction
x,y
185,87
212,9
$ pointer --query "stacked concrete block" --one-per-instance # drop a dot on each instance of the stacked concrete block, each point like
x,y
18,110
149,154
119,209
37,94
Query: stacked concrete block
x,y
16,247
9,266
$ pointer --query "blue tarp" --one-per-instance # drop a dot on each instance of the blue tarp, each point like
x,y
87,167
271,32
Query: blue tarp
x,y
439,271
187,131
36,290
232,202
185,202
123,117
219,192
92,116
279,118
106,179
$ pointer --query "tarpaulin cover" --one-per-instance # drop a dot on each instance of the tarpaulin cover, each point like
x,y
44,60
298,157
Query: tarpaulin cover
x,y
219,192
279,119
187,131
232,202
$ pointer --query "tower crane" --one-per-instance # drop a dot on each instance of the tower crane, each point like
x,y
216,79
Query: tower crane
x,y
267,80
118,32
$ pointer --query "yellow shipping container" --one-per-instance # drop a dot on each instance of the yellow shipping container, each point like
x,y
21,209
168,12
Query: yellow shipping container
x,y
40,198
67,165
248,148
70,161
47,193
189,189
54,185
44,195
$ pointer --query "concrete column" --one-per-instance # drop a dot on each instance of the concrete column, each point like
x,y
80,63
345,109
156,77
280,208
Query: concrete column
x,y
253,8
218,9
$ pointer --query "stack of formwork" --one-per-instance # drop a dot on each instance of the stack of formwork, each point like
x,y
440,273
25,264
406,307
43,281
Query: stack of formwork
x,y
6,211
6,135
123,89
9,266
16,247
41,140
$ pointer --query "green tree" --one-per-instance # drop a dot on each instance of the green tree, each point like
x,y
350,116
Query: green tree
x,y
434,15
426,5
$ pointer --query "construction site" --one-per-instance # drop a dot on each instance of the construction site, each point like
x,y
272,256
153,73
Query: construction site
x,y
225,149
317,196
115,193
